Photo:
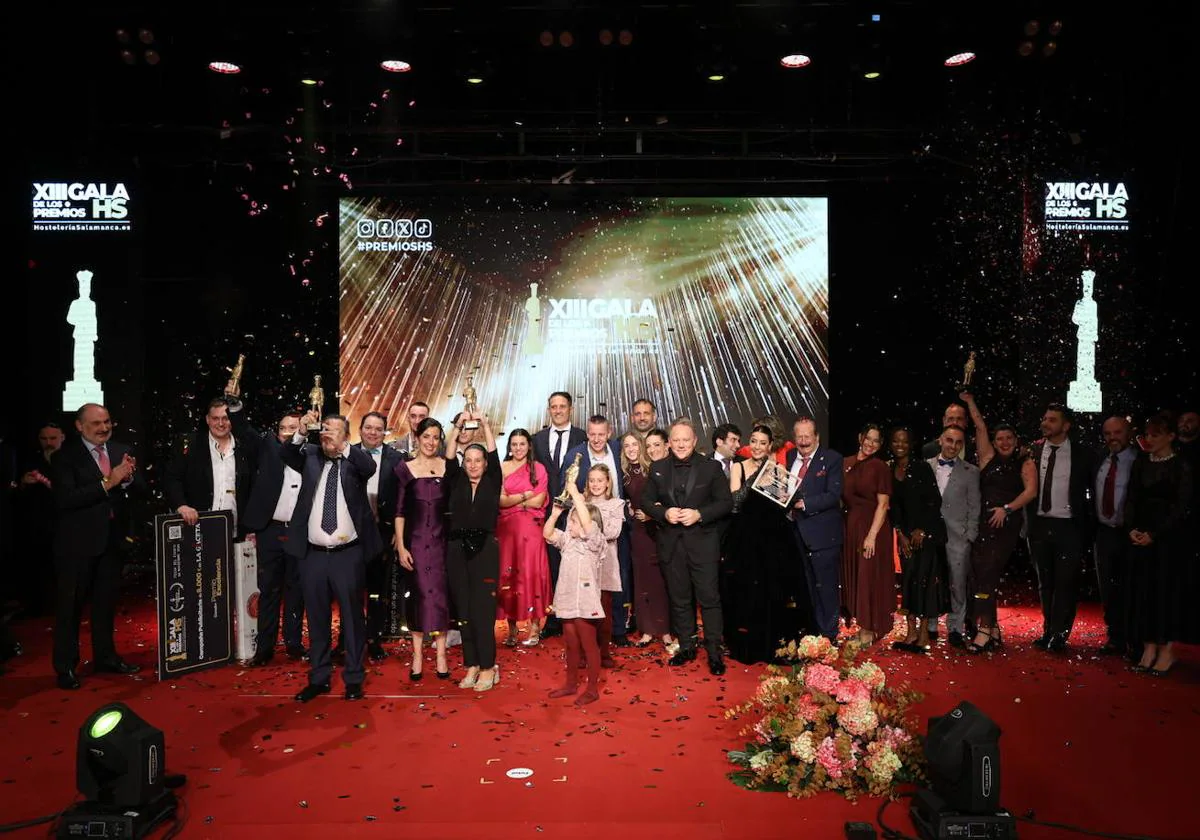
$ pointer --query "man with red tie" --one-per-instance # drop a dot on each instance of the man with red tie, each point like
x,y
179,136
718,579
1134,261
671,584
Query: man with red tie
x,y
1112,538
91,477
817,519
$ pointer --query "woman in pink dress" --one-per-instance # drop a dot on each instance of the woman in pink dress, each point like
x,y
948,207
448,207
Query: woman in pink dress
x,y
577,599
524,565
612,510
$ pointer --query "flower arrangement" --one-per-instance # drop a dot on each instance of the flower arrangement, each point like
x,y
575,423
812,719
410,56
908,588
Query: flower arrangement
x,y
825,721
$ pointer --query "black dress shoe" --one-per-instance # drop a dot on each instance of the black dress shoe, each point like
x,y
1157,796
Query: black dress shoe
x,y
956,639
67,680
375,650
415,676
442,675
621,641
683,657
262,657
296,652
716,665
311,691
552,629
1043,642
1057,643
354,691
116,666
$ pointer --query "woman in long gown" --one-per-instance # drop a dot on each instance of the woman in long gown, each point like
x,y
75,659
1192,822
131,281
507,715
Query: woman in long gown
x,y
916,510
650,604
1162,554
1007,483
765,597
524,564
868,564
420,543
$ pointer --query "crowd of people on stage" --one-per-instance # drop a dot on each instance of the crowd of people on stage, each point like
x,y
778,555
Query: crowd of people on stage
x,y
624,539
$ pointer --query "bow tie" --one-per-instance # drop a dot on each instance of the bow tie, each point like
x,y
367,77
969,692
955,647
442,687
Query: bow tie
x,y
943,462
378,450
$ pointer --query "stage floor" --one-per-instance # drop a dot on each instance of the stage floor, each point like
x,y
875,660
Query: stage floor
x,y
1085,741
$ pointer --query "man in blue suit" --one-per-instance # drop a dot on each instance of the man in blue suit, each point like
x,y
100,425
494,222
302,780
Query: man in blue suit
x,y
599,449
817,520
333,533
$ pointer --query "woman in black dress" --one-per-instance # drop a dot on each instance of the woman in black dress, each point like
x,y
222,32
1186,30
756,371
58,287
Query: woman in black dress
x,y
473,554
764,594
1156,512
916,510
1007,483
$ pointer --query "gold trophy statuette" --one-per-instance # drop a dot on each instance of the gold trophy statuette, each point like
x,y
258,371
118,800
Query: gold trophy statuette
x,y
563,499
470,408
968,373
317,397
235,376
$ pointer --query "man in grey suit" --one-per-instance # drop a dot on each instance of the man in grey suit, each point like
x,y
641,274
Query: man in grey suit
x,y
958,482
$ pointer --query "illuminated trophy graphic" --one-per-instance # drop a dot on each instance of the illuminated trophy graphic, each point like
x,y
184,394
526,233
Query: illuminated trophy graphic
x,y
533,335
1084,393
83,387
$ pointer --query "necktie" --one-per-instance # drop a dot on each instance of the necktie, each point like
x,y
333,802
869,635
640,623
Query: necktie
x,y
329,511
1108,505
102,460
558,447
1048,480
947,462
803,466
725,466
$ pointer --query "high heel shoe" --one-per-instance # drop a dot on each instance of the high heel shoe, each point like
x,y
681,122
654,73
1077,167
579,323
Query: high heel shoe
x,y
1160,672
443,675
488,679
470,679
534,640
415,676
992,643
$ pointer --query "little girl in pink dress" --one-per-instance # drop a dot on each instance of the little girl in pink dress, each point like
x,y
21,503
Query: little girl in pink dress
x,y
577,601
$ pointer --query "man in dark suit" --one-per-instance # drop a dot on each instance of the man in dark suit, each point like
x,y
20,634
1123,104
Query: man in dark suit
x,y
817,520
1063,523
550,446
381,492
91,477
600,448
273,495
34,578
1111,549
954,415
215,471
332,533
688,494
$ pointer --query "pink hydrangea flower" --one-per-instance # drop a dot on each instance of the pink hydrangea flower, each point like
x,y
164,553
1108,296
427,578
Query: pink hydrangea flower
x,y
857,717
827,757
822,678
852,689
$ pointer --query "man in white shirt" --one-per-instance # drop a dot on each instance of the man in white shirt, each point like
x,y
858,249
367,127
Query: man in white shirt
x,y
958,483
1111,549
726,440
268,513
215,471
1062,524
332,532
550,446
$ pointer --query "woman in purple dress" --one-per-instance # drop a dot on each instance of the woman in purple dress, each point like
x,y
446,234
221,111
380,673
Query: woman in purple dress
x,y
420,542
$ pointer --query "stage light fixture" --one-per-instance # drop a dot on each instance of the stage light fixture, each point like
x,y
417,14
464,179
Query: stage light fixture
x,y
123,36
309,82
546,39
959,59
795,61
395,65
606,37
872,74
962,750
565,39
119,772
152,57
128,57
225,68
1050,49
474,80
716,77
119,758
625,37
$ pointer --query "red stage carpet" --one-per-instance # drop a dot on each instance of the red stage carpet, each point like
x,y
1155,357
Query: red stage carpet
x,y
1085,741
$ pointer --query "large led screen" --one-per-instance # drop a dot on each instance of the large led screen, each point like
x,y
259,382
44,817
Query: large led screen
x,y
715,309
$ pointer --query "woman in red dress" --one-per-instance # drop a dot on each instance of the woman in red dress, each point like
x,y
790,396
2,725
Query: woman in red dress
x,y
524,593
868,563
